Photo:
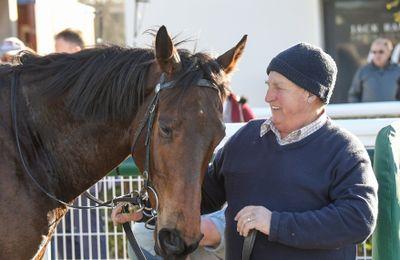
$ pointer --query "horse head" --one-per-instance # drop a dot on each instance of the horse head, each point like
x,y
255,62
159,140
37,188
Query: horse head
x,y
186,129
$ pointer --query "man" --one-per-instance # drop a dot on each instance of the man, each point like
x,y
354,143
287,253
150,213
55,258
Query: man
x,y
305,184
68,41
378,80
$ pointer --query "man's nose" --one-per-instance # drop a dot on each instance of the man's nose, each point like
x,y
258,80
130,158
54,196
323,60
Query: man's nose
x,y
268,96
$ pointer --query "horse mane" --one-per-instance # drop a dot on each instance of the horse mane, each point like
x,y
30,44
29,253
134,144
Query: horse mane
x,y
106,83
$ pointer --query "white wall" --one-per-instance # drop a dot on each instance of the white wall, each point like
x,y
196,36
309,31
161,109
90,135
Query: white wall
x,y
8,19
55,16
271,25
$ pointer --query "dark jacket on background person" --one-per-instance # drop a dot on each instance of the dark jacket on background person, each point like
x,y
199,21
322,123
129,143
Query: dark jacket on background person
x,y
321,190
374,84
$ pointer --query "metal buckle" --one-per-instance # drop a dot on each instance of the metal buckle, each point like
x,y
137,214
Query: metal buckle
x,y
157,88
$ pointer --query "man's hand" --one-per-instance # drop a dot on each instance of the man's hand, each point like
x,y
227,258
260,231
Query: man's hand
x,y
120,218
257,217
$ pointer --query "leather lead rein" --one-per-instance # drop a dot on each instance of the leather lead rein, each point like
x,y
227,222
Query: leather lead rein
x,y
248,244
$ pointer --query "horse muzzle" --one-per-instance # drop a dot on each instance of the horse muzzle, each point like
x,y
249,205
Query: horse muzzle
x,y
172,245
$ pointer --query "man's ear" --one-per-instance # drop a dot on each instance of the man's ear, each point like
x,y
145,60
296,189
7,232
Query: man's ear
x,y
229,59
166,54
311,98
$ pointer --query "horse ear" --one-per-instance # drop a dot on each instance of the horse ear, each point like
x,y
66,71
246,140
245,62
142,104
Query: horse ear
x,y
229,59
166,54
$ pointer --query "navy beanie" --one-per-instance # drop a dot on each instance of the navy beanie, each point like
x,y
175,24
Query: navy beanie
x,y
308,67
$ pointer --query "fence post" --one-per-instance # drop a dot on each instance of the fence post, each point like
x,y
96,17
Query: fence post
x,y
386,238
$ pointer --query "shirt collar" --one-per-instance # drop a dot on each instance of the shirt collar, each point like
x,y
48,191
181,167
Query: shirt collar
x,y
296,135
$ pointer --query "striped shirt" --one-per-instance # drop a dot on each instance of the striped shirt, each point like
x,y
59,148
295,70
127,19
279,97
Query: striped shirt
x,y
296,135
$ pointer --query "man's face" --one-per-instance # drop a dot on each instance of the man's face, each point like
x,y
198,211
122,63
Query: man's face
x,y
288,103
62,45
380,54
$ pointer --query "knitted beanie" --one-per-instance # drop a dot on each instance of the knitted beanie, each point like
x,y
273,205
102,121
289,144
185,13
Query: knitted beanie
x,y
308,67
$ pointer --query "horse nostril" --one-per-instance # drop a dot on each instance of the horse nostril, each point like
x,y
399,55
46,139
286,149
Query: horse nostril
x,y
171,242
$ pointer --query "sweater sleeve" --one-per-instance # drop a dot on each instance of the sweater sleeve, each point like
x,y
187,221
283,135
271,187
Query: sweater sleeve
x,y
213,191
355,90
349,218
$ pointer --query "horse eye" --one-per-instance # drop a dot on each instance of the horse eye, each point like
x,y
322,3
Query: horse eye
x,y
166,131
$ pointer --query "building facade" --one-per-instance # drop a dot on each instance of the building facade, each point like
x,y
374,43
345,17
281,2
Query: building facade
x,y
344,28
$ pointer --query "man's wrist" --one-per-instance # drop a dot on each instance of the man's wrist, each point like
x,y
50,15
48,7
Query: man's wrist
x,y
211,237
267,224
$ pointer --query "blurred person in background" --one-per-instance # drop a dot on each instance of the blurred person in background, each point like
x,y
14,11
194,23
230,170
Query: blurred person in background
x,y
396,59
10,47
69,41
378,80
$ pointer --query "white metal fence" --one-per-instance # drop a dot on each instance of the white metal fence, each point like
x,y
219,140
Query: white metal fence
x,y
350,110
90,234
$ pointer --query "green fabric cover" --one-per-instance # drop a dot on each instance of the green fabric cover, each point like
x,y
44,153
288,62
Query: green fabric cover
x,y
386,238
126,168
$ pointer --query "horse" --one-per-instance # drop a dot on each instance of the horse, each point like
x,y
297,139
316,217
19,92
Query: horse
x,y
71,118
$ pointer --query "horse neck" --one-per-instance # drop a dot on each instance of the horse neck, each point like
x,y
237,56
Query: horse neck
x,y
76,153
79,154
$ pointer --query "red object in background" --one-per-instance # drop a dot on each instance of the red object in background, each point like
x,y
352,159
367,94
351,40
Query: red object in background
x,y
240,110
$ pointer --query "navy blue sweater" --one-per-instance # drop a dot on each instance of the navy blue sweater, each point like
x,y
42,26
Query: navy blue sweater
x,y
321,190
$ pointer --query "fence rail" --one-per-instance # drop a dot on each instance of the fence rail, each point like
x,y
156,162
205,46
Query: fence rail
x,y
350,110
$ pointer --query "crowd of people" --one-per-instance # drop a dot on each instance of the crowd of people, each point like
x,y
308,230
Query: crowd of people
x,y
319,209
